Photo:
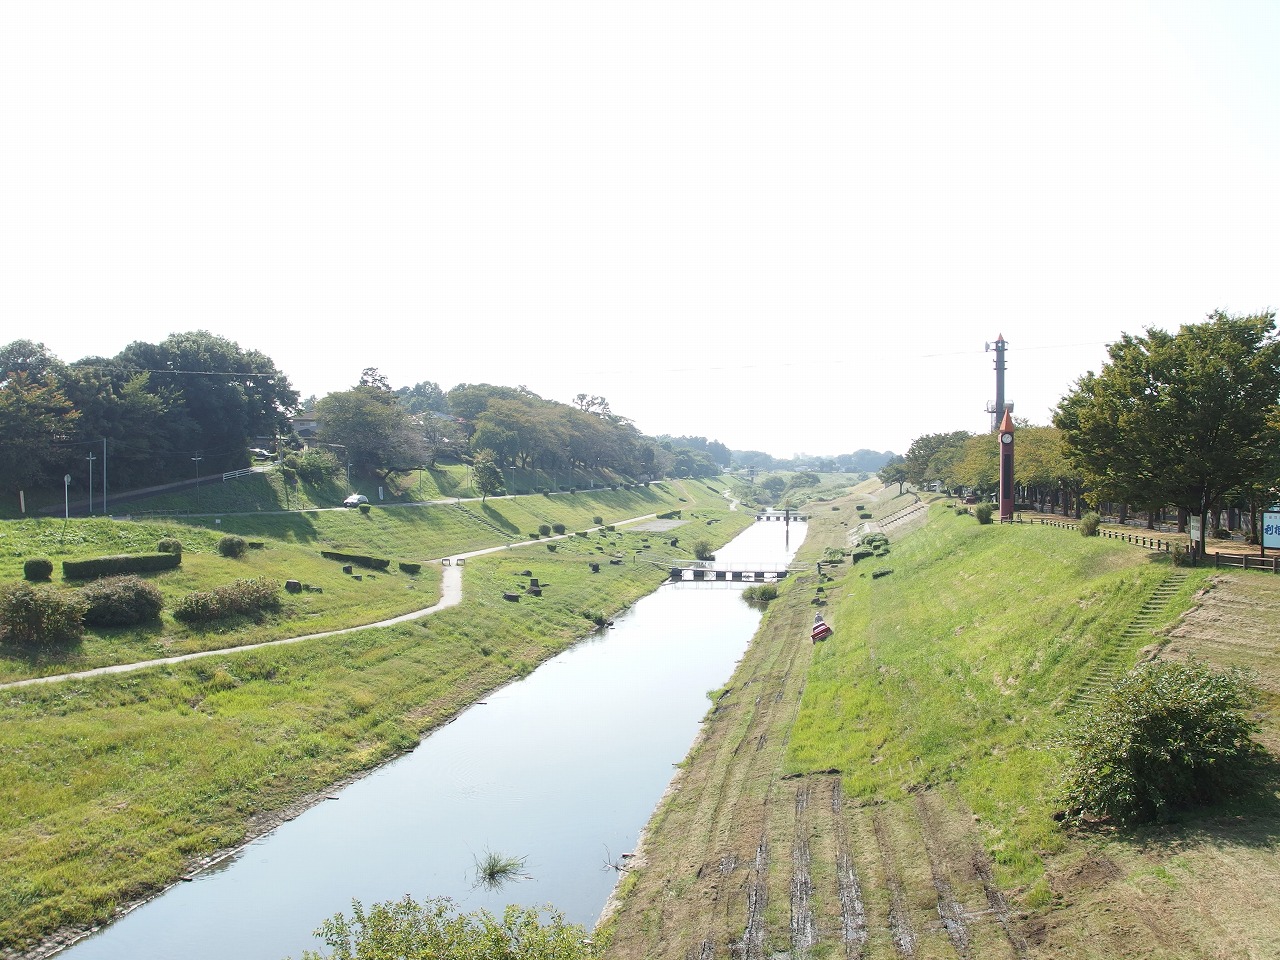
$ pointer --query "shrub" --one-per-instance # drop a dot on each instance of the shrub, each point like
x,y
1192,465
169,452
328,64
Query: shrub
x,y
702,550
760,593
96,567
962,511
1169,735
316,465
244,597
121,601
360,560
37,568
544,530
1089,524
232,546
169,545
39,617
597,520
435,928
983,512
410,568
557,528
364,508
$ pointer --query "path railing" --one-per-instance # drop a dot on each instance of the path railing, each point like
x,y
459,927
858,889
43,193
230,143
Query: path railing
x,y
1138,540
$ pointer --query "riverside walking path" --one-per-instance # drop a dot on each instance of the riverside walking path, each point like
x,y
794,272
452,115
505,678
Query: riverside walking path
x,y
450,595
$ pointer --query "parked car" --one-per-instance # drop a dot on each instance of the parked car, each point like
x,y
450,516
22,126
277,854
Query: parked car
x,y
355,500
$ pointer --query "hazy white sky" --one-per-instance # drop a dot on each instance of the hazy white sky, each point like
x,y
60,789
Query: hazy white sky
x,y
789,226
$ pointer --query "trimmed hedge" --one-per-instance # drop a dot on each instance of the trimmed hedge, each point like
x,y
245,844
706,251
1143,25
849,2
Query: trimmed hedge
x,y
96,567
37,568
371,563
409,568
232,546
246,597
121,601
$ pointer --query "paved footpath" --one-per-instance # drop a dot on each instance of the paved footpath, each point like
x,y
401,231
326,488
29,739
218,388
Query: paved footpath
x,y
450,595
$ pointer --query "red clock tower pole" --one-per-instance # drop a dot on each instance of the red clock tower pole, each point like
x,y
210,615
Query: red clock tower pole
x,y
1006,468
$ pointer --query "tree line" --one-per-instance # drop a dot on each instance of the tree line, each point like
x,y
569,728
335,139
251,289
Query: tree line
x,y
1187,420
197,403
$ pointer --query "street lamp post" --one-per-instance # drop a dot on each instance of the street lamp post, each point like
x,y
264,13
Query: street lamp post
x,y
196,461
91,458
66,496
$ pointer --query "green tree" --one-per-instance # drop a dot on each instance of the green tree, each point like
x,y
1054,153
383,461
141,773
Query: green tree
x,y
485,475
435,930
34,416
1177,418
895,471
931,457
376,431
229,394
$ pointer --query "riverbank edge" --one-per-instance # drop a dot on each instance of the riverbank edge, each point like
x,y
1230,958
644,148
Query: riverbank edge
x,y
262,824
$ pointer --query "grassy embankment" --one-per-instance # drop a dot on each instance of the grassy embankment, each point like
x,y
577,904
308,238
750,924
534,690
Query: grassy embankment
x,y
891,792
293,542
114,786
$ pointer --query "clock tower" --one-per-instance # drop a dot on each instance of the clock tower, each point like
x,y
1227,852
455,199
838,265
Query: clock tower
x,y
1006,468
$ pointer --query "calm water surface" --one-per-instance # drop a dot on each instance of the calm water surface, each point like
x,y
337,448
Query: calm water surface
x,y
563,768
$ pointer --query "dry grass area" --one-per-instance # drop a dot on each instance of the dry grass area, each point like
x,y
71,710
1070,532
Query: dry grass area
x,y
743,861
1208,887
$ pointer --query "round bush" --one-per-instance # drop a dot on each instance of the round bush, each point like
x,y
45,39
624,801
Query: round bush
x,y
169,545
365,508
232,546
121,601
558,528
983,512
544,530
40,617
37,568
1089,524
1169,735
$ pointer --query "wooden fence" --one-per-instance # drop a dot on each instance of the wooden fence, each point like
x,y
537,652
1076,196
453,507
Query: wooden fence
x,y
1242,560
1138,540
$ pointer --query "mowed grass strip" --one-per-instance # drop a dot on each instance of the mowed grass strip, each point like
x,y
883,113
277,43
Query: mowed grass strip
x,y
111,787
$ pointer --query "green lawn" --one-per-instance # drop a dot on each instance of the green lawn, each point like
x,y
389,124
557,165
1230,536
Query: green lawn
x,y
958,665
111,786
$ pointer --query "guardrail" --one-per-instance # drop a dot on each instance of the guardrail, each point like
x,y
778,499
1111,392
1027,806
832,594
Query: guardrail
x,y
232,474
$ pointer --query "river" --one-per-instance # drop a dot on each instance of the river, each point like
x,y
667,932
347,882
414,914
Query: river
x,y
562,768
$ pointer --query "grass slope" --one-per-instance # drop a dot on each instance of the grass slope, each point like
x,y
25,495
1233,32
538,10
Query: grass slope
x,y
112,787
890,792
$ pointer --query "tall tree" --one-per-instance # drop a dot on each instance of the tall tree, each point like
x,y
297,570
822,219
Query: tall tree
x,y
485,475
231,395
1177,418
34,416
895,471
374,429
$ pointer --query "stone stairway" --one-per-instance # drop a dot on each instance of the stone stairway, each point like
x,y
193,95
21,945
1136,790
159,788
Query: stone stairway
x,y
1120,657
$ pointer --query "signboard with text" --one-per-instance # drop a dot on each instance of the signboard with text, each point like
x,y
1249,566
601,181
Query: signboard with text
x,y
1193,529
1271,529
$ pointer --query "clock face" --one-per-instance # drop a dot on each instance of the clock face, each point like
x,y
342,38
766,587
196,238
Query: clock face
x,y
1006,438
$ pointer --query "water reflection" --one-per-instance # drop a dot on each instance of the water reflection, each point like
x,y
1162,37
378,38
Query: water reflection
x,y
562,769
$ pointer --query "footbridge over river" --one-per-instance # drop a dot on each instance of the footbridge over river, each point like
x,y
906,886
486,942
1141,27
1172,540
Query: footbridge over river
x,y
710,571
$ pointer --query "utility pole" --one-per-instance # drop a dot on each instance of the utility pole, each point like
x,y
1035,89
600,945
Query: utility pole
x,y
104,476
997,411
196,461
91,458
